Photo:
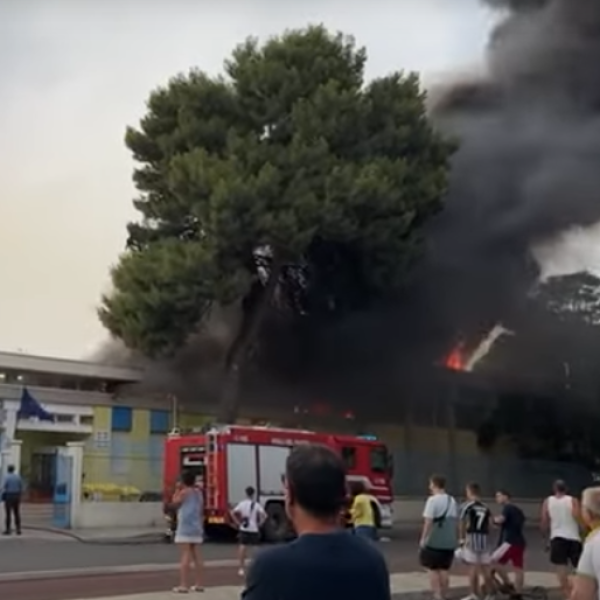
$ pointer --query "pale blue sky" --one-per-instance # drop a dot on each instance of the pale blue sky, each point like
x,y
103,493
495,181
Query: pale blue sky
x,y
74,73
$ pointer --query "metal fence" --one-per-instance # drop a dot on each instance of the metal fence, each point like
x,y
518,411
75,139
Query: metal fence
x,y
522,478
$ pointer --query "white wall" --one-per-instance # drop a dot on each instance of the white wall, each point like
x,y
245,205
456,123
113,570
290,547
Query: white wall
x,y
115,515
409,510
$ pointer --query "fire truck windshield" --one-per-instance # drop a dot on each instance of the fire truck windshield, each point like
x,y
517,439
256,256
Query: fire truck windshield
x,y
380,460
192,459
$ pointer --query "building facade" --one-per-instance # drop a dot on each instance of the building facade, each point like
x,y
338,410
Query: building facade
x,y
80,397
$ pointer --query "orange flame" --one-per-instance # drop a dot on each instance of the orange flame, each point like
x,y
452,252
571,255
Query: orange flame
x,y
455,360
460,360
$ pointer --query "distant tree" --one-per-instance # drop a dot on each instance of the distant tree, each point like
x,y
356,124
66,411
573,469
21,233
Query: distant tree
x,y
557,346
253,184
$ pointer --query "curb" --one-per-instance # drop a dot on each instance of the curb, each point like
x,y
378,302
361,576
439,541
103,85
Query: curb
x,y
105,571
138,539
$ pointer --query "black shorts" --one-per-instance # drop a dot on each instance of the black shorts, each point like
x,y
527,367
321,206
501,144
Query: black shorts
x,y
249,538
435,559
565,552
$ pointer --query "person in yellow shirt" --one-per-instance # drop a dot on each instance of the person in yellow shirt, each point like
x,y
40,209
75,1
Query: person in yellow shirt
x,y
363,513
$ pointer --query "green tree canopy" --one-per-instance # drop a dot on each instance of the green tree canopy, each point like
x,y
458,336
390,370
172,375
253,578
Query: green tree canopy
x,y
241,176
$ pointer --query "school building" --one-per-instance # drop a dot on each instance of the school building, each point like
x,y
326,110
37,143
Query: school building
x,y
47,404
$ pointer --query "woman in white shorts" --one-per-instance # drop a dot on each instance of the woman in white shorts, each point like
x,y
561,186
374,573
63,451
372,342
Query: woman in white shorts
x,y
190,532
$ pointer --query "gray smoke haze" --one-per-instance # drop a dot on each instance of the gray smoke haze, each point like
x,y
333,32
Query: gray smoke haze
x,y
527,170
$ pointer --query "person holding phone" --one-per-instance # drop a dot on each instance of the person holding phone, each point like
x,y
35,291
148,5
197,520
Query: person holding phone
x,y
249,516
190,531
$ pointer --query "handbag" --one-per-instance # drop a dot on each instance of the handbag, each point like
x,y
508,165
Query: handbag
x,y
439,521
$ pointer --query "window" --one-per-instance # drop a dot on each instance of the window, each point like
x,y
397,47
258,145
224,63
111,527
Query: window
x,y
159,421
122,418
64,418
87,384
380,462
349,457
86,420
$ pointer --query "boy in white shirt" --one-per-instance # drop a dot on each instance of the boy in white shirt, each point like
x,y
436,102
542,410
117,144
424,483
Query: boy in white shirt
x,y
249,517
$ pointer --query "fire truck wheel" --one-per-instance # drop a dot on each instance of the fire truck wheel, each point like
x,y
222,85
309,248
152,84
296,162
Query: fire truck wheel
x,y
277,526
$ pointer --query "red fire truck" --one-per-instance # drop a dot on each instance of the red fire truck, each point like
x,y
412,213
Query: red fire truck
x,y
228,459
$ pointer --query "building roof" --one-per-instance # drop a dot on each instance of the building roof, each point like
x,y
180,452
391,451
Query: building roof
x,y
64,366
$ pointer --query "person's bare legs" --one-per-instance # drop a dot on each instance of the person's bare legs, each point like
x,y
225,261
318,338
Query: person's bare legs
x,y
562,574
198,561
519,580
488,582
436,585
502,573
474,579
242,553
184,566
444,583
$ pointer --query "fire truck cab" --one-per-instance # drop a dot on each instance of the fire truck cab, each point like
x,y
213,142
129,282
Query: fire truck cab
x,y
227,459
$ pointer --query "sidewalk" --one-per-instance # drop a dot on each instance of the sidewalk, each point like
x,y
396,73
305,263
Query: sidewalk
x,y
404,585
105,535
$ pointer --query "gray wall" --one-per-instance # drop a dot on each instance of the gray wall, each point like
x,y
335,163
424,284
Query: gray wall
x,y
522,478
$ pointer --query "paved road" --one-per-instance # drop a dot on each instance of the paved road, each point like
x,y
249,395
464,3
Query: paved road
x,y
18,556
28,555
35,556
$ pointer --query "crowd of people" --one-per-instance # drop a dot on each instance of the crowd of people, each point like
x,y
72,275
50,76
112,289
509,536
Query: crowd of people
x,y
467,534
324,561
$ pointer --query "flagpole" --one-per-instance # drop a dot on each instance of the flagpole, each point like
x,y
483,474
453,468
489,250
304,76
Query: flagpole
x,y
174,411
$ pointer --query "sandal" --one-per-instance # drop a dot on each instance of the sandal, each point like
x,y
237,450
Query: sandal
x,y
180,590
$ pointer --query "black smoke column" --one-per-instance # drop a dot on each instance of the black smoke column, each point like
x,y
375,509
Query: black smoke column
x,y
527,168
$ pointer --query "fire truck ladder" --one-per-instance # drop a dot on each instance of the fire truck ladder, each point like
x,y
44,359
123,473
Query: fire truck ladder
x,y
212,489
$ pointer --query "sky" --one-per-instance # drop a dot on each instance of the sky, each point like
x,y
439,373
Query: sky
x,y
75,73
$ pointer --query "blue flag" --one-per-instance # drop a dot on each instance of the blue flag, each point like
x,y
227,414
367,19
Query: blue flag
x,y
31,408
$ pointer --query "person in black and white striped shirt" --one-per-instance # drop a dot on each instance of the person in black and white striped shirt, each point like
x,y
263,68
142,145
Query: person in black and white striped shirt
x,y
475,521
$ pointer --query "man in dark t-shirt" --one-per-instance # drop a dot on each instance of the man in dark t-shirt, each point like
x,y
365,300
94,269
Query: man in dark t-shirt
x,y
511,544
325,561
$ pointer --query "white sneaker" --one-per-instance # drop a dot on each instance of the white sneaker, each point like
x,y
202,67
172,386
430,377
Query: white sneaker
x,y
241,572
471,597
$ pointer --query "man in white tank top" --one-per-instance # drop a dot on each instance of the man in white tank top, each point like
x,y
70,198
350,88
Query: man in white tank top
x,y
561,515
